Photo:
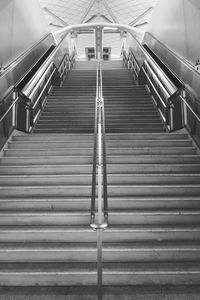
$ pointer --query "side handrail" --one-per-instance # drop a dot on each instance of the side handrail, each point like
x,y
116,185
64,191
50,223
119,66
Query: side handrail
x,y
44,66
22,99
93,197
105,192
36,81
99,161
161,85
181,96
10,65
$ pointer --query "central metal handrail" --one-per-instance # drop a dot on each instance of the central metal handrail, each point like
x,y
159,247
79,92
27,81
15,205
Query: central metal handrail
x,y
99,179
99,160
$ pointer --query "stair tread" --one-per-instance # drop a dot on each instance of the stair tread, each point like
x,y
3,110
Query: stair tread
x,y
158,269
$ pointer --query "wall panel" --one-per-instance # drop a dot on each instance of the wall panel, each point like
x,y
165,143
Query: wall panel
x,y
22,24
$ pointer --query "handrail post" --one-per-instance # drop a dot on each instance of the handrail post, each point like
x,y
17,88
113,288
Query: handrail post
x,y
14,111
184,108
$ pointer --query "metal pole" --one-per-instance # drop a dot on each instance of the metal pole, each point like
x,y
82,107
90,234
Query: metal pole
x,y
99,264
184,106
14,110
100,197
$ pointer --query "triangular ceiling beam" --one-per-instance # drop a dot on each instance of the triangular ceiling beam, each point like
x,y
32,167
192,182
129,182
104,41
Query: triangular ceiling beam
x,y
55,25
91,18
141,24
88,9
105,18
141,16
113,17
55,17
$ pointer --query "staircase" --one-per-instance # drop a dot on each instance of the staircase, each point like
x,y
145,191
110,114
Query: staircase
x,y
70,108
153,191
128,107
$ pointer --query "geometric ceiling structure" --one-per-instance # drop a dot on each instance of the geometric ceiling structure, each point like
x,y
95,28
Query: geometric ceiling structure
x,y
60,13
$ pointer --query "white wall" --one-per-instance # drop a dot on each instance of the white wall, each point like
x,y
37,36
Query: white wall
x,y
114,41
176,23
22,24
84,41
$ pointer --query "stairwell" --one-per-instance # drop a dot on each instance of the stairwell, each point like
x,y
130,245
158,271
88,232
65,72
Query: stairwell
x,y
153,236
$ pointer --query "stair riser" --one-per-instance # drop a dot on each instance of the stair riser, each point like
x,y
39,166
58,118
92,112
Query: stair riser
x,y
51,255
45,219
119,130
117,137
86,179
108,236
83,105
75,255
48,279
57,152
71,279
42,204
88,160
48,236
87,169
82,118
128,114
109,144
69,130
150,235
83,219
149,279
85,191
140,255
51,170
89,126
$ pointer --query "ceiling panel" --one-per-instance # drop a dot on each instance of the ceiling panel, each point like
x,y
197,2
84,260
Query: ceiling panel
x,y
72,11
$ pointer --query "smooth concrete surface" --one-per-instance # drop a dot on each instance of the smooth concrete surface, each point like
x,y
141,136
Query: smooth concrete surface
x,y
110,293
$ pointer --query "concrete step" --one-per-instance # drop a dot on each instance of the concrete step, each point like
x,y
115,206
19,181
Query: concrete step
x,y
118,137
113,151
85,274
75,122
55,234
111,130
123,217
115,203
89,125
86,252
48,252
151,252
114,234
110,143
66,130
113,190
58,169
152,273
116,159
85,179
62,274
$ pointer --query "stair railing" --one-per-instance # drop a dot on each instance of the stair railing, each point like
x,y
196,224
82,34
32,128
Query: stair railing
x,y
172,103
99,178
